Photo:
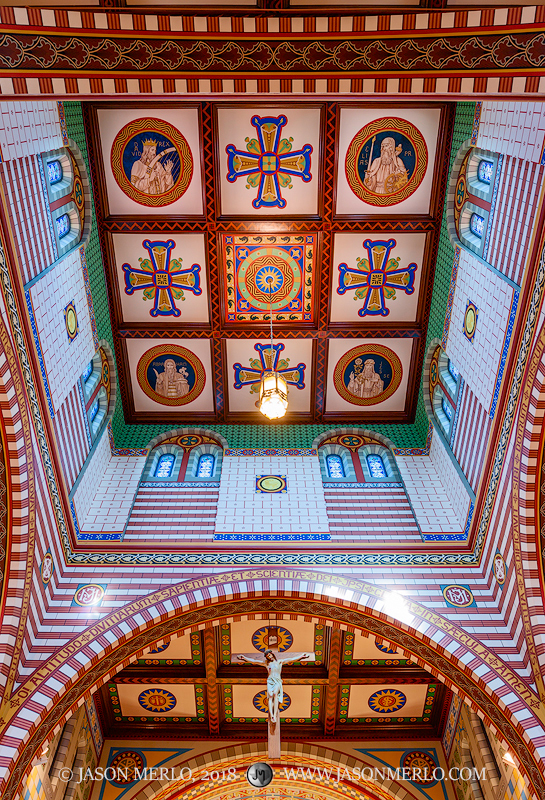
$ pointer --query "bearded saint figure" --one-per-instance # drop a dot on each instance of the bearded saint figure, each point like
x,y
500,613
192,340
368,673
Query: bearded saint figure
x,y
148,175
171,383
387,173
365,383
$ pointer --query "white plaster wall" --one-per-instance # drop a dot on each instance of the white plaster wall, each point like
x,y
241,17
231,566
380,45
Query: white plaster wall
x,y
29,127
107,489
450,479
64,360
478,360
301,510
516,129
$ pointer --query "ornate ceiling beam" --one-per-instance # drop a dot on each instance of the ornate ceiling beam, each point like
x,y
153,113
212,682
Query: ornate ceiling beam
x,y
212,692
332,691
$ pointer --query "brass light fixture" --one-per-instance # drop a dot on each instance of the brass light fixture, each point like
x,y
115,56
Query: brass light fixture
x,y
273,389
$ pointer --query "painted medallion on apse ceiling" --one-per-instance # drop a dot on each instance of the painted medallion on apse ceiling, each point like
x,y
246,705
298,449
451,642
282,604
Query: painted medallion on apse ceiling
x,y
386,161
263,272
269,162
376,278
162,278
367,374
151,162
171,375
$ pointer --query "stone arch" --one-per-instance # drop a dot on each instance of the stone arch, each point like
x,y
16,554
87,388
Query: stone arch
x,y
221,440
430,641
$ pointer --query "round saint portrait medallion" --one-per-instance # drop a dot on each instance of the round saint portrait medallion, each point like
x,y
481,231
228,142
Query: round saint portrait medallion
x,y
386,161
157,700
421,767
261,702
387,701
171,375
262,639
367,374
151,162
124,765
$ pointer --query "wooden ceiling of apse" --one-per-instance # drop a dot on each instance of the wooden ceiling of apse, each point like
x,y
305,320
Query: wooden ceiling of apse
x,y
199,204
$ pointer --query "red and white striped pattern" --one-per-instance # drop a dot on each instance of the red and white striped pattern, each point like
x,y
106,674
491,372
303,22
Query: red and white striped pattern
x,y
471,437
71,437
28,215
515,216
172,513
366,515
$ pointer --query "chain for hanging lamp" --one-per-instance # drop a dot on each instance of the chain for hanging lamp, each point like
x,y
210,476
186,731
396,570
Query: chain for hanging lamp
x,y
273,389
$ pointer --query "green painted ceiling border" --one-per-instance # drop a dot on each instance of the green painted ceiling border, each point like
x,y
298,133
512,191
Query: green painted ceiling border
x,y
273,436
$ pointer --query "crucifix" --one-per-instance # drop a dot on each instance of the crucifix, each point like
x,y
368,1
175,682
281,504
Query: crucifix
x,y
273,663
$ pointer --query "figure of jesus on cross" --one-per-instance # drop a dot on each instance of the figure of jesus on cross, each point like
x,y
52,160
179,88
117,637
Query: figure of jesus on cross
x,y
273,665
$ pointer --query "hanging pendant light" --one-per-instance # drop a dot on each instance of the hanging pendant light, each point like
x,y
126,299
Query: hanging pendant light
x,y
273,389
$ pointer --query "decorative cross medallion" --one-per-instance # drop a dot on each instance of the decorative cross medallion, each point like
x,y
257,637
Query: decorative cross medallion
x,y
268,162
267,361
376,278
162,278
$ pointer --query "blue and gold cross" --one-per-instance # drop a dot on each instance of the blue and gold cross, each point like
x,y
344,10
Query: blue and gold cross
x,y
162,278
267,362
376,278
268,162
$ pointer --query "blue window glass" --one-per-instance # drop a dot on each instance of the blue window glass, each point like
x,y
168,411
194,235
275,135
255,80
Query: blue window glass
x,y
485,170
88,371
376,466
335,466
165,465
205,467
63,225
453,371
447,408
94,410
54,172
476,225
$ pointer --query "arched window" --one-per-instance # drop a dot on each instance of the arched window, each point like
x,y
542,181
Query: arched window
x,y
63,225
453,371
485,170
447,409
205,466
335,466
93,411
376,466
476,225
54,172
165,466
87,372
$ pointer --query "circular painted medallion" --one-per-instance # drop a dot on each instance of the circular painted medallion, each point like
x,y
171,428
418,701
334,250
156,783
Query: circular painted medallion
x,y
500,569
385,649
71,321
262,704
151,162
160,649
89,595
470,320
269,274
189,440
367,374
171,375
262,639
271,484
458,596
421,767
351,441
46,568
386,161
157,700
124,766
434,370
387,701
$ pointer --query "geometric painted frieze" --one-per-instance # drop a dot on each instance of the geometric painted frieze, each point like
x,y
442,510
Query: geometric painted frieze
x,y
267,361
162,279
367,374
376,278
171,375
386,161
151,162
268,163
269,271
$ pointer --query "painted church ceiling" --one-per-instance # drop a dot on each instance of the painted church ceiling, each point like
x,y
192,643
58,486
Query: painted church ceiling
x,y
214,216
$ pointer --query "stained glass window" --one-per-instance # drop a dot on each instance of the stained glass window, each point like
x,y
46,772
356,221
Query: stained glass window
x,y
205,467
63,225
54,172
376,466
453,371
165,466
485,170
94,410
476,225
88,371
447,408
335,466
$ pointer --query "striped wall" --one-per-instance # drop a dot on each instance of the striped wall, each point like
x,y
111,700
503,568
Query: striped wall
x,y
471,437
514,129
71,436
173,514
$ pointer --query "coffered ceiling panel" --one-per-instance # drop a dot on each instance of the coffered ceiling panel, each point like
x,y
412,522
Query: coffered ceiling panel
x,y
248,702
153,699
380,700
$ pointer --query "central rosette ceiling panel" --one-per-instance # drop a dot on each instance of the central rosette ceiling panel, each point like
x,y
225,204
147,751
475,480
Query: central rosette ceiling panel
x,y
214,214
